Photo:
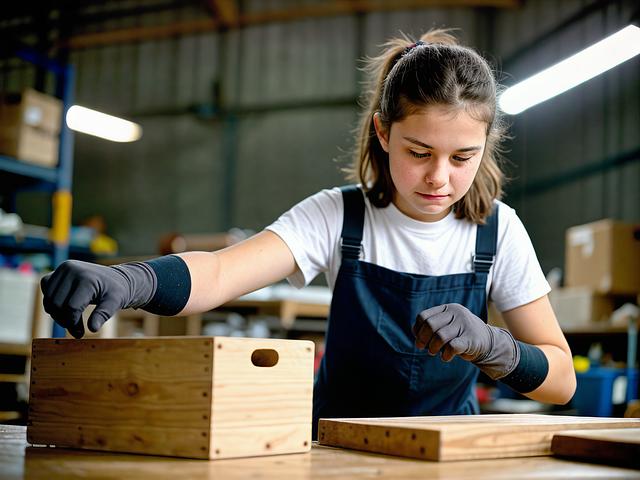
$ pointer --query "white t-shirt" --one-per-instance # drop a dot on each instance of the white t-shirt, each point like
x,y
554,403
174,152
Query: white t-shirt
x,y
312,229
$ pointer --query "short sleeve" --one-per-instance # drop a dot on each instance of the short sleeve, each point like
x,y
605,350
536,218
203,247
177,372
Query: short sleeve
x,y
517,278
311,229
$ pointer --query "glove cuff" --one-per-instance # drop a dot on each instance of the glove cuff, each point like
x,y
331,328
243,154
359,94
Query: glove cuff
x,y
141,280
503,355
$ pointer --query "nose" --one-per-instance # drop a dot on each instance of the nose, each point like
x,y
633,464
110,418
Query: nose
x,y
437,173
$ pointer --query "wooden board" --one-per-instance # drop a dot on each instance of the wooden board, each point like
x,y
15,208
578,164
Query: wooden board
x,y
458,437
611,446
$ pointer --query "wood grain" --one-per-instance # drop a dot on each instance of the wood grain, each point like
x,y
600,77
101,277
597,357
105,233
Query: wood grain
x,y
19,461
611,446
197,397
446,438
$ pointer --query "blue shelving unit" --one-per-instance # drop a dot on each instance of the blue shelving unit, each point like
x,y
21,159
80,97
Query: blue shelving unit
x,y
19,176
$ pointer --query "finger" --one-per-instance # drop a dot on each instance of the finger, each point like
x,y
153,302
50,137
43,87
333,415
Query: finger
x,y
433,324
443,336
103,312
447,353
457,346
424,335
423,326
47,285
71,320
415,329
430,312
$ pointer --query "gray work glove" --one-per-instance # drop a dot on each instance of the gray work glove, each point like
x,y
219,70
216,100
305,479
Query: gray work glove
x,y
74,285
453,329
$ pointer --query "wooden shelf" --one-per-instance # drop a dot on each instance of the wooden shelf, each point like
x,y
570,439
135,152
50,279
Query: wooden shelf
x,y
6,416
286,310
12,378
23,349
594,329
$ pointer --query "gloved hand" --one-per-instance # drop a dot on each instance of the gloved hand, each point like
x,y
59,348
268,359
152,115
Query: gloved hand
x,y
74,285
453,329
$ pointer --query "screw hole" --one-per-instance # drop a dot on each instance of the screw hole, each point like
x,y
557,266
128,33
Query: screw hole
x,y
386,434
366,441
413,436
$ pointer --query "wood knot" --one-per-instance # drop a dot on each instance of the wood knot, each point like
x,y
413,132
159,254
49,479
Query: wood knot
x,y
132,389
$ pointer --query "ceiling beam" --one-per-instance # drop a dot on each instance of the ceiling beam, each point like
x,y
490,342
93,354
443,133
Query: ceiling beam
x,y
327,9
226,12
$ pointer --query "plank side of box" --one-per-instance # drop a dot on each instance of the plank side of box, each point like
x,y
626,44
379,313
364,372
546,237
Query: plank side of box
x,y
445,438
184,396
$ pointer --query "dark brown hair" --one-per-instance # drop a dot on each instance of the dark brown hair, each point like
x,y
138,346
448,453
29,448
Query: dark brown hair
x,y
406,78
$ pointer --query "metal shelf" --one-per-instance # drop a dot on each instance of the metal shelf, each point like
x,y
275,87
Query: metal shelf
x,y
11,244
29,171
16,176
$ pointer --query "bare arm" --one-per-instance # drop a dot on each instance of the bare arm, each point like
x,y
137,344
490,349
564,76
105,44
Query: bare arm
x,y
536,324
218,277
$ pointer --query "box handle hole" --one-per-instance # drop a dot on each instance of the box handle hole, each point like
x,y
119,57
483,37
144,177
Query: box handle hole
x,y
264,357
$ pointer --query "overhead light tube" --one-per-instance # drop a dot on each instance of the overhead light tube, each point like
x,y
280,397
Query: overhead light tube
x,y
92,122
584,65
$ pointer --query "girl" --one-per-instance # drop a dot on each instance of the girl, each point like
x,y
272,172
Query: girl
x,y
411,253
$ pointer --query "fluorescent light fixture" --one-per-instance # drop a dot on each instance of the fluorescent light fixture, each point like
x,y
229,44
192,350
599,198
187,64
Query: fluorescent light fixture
x,y
584,65
92,122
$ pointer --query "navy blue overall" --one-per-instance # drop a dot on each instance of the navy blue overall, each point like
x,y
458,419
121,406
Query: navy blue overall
x,y
371,367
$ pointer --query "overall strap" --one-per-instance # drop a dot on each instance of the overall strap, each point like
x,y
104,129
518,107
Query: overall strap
x,y
352,221
486,243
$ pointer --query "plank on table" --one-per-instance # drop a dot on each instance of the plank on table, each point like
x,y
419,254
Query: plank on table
x,y
611,446
458,437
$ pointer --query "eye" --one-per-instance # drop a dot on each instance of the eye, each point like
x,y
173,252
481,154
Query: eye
x,y
419,155
459,158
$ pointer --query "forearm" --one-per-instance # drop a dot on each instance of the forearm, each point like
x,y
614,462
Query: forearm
x,y
218,277
560,383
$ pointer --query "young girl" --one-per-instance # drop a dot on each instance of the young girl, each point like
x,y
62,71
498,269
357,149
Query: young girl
x,y
411,253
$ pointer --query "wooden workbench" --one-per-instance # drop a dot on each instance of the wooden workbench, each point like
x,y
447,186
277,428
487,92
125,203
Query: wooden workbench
x,y
18,460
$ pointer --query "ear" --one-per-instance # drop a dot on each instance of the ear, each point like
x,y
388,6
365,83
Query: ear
x,y
381,131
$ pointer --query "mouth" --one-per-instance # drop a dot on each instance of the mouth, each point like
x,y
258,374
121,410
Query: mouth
x,y
427,196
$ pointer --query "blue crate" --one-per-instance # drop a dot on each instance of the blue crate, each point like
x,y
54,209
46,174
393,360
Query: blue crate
x,y
595,389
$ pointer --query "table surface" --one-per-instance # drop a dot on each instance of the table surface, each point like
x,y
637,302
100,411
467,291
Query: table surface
x,y
19,460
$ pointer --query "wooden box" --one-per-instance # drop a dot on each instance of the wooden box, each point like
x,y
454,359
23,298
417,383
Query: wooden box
x,y
195,397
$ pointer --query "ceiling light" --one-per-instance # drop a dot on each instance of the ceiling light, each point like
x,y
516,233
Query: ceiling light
x,y
101,125
584,65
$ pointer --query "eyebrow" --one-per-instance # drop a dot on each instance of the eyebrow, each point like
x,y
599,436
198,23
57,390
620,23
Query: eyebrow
x,y
422,144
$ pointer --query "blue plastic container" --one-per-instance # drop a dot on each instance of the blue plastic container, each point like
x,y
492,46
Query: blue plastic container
x,y
593,397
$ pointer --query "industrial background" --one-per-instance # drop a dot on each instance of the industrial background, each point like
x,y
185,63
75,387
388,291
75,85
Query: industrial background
x,y
248,107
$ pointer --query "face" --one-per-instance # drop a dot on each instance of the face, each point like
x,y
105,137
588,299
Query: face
x,y
434,156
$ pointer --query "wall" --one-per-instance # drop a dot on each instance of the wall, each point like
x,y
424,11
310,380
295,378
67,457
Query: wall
x,y
286,107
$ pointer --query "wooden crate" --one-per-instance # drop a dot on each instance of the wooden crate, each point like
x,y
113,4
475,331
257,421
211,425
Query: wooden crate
x,y
459,437
195,397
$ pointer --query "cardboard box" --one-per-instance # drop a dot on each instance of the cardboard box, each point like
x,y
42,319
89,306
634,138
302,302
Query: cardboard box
x,y
194,397
580,306
30,126
604,255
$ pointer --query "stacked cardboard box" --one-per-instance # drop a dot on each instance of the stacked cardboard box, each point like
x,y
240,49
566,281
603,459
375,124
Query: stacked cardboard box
x,y
30,126
602,271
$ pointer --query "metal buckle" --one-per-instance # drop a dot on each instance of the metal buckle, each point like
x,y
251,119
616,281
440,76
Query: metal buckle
x,y
482,262
350,251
